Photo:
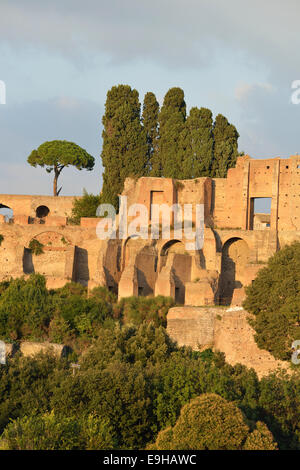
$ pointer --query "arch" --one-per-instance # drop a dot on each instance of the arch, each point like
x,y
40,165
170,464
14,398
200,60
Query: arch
x,y
174,257
42,211
125,250
6,211
235,256
51,239
165,249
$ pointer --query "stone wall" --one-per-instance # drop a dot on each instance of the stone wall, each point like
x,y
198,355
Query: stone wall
x,y
237,242
225,330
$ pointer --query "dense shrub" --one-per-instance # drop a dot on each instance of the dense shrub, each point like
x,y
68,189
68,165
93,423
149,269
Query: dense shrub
x,y
25,308
274,299
86,206
135,310
48,432
209,422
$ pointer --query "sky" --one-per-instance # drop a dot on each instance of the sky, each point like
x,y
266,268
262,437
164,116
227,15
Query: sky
x,y
58,59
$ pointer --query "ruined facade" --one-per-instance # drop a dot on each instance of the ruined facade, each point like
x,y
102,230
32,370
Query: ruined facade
x,y
237,240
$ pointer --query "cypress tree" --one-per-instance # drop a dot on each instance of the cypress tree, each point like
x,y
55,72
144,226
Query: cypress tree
x,y
171,125
198,149
225,146
150,123
124,151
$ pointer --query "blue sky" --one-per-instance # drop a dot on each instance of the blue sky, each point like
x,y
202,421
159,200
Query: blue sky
x,y
58,59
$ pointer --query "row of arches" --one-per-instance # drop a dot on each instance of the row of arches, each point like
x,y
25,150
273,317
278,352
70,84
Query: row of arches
x,y
150,261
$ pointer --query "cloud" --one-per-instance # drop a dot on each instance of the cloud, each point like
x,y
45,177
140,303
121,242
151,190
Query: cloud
x,y
173,33
269,123
243,90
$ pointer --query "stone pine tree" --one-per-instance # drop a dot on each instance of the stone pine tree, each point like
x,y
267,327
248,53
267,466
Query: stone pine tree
x,y
225,146
198,147
124,151
59,154
171,124
150,123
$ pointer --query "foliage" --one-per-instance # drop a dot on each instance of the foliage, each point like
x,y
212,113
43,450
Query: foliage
x,y
133,382
225,146
29,310
24,308
124,150
135,310
273,298
86,206
280,404
36,247
209,422
171,124
162,142
197,141
150,123
48,432
59,154
26,385
260,439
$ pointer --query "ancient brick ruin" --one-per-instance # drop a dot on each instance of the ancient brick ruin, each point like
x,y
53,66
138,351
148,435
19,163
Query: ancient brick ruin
x,y
237,241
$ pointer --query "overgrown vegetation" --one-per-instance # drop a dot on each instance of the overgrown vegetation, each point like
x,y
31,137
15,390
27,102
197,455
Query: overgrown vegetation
x,y
274,299
36,247
86,206
133,380
209,422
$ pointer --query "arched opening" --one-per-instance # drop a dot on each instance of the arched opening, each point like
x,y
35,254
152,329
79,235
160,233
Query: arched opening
x,y
180,261
235,253
7,212
42,211
130,248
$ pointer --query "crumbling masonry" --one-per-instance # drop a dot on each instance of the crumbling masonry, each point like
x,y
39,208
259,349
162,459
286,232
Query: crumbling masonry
x,y
237,242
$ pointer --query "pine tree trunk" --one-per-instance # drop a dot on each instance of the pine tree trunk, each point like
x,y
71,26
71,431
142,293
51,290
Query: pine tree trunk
x,y
56,174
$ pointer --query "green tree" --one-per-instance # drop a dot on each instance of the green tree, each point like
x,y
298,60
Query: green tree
x,y
209,422
150,123
225,146
273,298
171,125
260,439
86,206
49,432
197,142
59,154
124,151
24,308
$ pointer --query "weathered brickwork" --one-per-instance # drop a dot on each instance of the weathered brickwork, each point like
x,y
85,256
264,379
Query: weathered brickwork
x,y
225,330
237,241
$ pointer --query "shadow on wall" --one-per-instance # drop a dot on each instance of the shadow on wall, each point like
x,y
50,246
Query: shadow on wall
x,y
234,258
28,267
81,271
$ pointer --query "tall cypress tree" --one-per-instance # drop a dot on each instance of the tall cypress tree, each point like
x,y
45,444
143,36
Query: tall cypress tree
x,y
225,146
124,151
150,123
171,124
198,148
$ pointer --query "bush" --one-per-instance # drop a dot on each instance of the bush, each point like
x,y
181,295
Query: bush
x,y
136,310
36,247
49,432
86,206
274,299
209,422
24,308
